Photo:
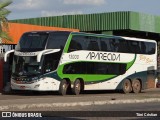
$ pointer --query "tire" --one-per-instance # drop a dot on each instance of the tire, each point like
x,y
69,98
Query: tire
x,y
136,86
77,87
63,87
127,88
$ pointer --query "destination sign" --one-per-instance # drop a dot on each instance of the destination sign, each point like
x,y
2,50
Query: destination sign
x,y
26,53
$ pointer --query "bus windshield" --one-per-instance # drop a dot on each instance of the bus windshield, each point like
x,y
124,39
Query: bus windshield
x,y
25,66
31,42
38,41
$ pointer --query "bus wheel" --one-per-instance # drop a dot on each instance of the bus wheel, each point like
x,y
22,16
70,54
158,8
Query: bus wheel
x,y
127,86
63,87
136,85
77,87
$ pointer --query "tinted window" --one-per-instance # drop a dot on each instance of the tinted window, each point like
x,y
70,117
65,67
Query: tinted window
x,y
150,48
50,62
127,46
106,68
77,43
75,68
94,68
92,43
122,46
32,42
134,47
84,43
143,48
139,47
105,44
57,40
113,45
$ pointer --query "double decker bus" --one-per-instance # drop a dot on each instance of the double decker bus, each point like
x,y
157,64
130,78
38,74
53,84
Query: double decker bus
x,y
63,61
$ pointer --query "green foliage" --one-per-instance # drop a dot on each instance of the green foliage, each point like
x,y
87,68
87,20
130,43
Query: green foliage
x,y
3,20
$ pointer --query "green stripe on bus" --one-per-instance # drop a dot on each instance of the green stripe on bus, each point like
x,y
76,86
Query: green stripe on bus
x,y
67,44
89,77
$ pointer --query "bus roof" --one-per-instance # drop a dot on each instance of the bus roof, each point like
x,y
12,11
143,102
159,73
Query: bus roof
x,y
99,35
137,39
48,31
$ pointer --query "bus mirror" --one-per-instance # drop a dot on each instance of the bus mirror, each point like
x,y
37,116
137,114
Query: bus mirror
x,y
6,55
49,51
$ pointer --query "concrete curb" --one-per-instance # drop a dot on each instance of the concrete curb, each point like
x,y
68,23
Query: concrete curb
x,y
51,105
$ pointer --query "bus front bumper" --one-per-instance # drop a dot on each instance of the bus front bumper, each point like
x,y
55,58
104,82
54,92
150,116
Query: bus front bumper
x,y
44,84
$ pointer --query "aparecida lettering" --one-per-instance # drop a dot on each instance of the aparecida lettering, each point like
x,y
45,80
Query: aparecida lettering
x,y
103,56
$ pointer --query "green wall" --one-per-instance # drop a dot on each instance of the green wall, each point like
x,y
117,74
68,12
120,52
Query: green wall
x,y
100,21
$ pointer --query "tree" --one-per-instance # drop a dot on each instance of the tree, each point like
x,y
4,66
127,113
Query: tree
x,y
3,20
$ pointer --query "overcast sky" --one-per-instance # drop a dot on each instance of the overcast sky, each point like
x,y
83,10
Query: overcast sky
x,y
39,8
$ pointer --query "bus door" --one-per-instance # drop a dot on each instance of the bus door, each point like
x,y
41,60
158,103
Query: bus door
x,y
7,69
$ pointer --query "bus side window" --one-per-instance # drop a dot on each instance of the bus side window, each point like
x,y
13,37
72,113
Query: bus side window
x,y
93,45
150,48
134,47
47,64
73,68
104,46
77,43
122,46
51,62
143,48
113,44
74,45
